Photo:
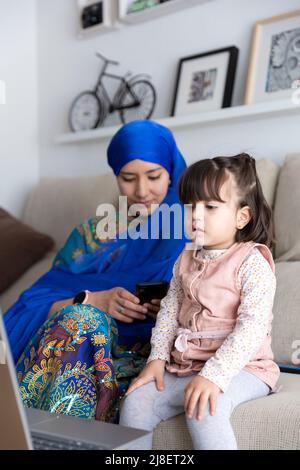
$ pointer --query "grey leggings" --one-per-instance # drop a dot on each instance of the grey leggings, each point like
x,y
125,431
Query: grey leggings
x,y
146,407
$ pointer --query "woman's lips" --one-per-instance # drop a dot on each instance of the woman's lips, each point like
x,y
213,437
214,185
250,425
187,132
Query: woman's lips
x,y
146,203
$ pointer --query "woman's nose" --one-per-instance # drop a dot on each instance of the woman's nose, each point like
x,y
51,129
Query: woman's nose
x,y
141,190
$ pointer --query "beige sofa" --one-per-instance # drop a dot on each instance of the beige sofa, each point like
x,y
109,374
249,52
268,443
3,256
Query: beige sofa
x,y
55,206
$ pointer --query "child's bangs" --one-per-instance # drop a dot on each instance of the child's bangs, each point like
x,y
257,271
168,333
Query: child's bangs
x,y
202,183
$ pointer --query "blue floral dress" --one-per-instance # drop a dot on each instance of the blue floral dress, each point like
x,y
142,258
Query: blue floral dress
x,y
78,363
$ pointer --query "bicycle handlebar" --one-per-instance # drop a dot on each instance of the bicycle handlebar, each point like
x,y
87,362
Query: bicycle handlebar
x,y
114,62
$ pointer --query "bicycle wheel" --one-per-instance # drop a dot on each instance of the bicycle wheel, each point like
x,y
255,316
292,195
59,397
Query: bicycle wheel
x,y
146,95
86,112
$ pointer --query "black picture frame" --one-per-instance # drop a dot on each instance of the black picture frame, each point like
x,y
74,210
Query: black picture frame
x,y
230,74
92,15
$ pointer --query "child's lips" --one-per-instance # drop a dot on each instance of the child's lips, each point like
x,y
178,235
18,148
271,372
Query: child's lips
x,y
198,234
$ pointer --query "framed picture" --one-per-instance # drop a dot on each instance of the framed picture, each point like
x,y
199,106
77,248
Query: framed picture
x,y
136,11
205,81
274,67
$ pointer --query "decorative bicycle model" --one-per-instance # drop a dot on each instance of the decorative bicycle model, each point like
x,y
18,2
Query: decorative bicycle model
x,y
135,98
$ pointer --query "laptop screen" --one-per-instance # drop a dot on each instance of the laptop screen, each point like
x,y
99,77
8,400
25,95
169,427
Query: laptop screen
x,y
13,429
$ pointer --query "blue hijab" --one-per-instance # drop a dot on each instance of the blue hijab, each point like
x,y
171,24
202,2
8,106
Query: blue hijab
x,y
124,261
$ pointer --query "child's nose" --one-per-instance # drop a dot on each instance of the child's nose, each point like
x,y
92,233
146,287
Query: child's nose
x,y
198,216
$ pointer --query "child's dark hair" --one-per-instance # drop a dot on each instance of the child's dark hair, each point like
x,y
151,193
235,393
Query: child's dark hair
x,y
202,181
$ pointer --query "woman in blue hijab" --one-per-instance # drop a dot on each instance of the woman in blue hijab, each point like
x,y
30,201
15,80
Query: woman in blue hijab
x,y
79,335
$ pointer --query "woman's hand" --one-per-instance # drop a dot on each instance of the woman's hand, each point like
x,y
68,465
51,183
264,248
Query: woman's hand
x,y
153,370
119,303
197,393
153,308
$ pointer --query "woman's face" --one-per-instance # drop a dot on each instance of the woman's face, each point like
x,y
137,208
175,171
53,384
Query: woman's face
x,y
143,183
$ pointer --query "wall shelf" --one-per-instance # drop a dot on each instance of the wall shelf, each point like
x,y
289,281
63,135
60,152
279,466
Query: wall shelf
x,y
155,11
218,117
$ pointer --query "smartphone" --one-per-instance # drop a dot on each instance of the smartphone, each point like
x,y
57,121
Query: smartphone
x,y
146,291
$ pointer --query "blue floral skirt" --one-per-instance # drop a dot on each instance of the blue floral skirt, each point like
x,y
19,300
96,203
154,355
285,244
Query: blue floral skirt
x,y
77,364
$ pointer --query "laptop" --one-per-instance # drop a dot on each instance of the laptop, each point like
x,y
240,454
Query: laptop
x,y
31,429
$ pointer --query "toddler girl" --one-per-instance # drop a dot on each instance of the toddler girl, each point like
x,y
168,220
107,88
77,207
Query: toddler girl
x,y
211,346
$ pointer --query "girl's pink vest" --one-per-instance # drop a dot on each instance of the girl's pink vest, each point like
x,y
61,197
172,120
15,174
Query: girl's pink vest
x,y
209,311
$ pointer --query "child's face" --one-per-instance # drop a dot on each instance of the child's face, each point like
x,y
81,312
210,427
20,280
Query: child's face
x,y
215,223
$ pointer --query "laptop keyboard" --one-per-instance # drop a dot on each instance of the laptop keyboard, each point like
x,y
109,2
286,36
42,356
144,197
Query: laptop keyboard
x,y
48,443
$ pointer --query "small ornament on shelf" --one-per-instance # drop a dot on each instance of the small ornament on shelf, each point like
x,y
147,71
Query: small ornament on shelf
x,y
135,98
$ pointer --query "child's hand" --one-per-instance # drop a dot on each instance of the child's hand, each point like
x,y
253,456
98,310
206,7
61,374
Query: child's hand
x,y
153,370
199,391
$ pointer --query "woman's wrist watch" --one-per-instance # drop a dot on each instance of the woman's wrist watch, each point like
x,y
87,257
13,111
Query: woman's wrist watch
x,y
82,297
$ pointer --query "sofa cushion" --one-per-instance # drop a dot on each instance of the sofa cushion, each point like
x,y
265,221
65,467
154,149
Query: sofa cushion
x,y
268,172
286,321
270,422
57,205
287,213
12,294
20,247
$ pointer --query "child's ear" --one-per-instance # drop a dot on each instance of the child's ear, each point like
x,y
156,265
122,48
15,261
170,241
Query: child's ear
x,y
243,217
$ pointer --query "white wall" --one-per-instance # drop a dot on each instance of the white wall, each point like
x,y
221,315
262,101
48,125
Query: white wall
x,y
68,66
19,158
63,66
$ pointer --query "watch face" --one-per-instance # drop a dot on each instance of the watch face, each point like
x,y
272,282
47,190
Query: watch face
x,y
79,298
